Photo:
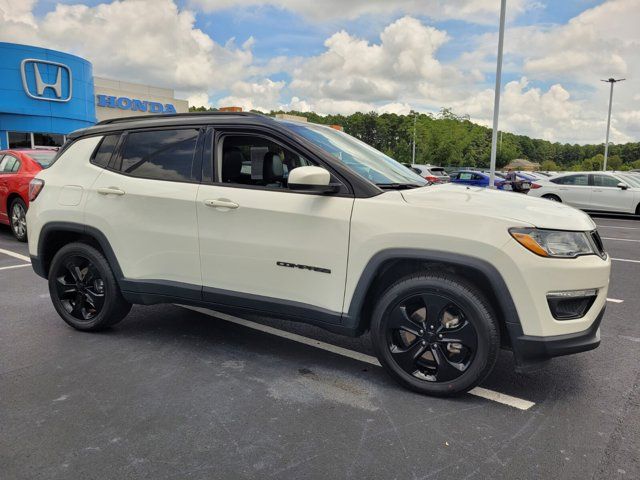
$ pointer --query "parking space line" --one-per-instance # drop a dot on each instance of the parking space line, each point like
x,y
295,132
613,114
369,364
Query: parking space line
x,y
614,300
625,260
16,266
498,397
613,226
621,239
15,255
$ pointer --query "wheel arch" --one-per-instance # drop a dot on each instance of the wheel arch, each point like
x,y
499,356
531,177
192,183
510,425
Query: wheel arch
x,y
11,197
55,235
386,267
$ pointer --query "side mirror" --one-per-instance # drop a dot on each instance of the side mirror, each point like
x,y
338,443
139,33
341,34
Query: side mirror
x,y
623,186
311,179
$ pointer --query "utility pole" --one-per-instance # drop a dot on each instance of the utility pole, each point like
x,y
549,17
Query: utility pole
x,y
612,81
413,162
496,101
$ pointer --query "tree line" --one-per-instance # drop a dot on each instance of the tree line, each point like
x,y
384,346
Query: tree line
x,y
451,140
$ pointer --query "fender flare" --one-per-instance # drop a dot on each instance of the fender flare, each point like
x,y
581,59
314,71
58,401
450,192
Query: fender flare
x,y
497,284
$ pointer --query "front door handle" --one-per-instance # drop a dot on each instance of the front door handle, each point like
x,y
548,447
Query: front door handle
x,y
221,203
110,191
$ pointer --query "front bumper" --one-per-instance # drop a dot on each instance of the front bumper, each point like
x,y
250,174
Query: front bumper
x,y
531,351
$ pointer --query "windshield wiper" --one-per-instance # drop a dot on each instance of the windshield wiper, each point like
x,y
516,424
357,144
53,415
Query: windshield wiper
x,y
397,186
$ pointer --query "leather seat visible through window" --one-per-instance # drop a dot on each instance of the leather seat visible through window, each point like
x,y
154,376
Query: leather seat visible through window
x,y
232,165
272,169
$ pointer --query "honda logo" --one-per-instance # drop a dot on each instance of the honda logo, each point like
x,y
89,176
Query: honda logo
x,y
57,82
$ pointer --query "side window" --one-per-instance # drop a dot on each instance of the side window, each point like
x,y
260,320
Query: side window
x,y
160,154
8,163
16,166
3,160
255,160
579,180
477,177
465,176
605,181
102,155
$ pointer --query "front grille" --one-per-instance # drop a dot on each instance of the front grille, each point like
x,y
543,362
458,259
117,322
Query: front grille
x,y
597,243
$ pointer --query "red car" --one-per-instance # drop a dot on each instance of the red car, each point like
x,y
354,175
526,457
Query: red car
x,y
17,168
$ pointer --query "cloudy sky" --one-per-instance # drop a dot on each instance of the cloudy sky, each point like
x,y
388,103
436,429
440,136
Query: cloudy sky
x,y
342,56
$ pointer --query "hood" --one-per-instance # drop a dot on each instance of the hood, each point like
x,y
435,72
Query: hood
x,y
537,212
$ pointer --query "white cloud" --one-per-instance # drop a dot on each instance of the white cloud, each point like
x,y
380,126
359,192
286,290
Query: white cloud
x,y
149,41
263,95
476,11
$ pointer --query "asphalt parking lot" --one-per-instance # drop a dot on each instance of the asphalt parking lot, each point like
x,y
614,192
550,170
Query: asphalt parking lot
x,y
174,393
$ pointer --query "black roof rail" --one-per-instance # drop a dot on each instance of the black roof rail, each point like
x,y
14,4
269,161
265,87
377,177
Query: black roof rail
x,y
139,118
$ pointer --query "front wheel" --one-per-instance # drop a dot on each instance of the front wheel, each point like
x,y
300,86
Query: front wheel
x,y
553,198
84,290
435,334
18,219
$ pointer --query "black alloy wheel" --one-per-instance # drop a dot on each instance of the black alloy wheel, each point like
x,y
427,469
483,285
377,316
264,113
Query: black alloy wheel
x,y
84,290
435,333
80,288
430,337
18,219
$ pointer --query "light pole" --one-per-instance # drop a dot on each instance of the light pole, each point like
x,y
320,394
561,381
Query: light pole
x,y
413,161
496,101
612,81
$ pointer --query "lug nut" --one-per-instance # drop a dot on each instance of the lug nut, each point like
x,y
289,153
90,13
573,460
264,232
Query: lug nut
x,y
424,343
421,332
431,327
440,336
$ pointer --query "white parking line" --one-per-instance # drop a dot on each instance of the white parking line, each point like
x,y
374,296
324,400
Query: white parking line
x,y
614,300
514,402
620,239
15,255
613,226
15,266
625,260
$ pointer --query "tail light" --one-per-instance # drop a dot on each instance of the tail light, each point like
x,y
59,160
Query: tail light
x,y
534,186
35,187
432,179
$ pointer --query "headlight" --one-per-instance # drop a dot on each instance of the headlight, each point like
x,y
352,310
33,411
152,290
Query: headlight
x,y
554,243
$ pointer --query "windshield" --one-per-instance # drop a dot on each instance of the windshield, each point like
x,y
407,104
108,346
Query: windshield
x,y
363,159
43,158
630,179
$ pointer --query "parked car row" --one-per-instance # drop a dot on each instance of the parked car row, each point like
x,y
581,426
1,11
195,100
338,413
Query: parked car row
x,y
17,169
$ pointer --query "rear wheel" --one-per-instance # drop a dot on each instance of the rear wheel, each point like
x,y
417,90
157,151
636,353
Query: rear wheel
x,y
18,219
83,289
552,197
435,334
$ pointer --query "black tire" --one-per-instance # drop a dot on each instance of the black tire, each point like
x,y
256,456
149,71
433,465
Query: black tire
x,y
17,219
84,290
552,197
464,311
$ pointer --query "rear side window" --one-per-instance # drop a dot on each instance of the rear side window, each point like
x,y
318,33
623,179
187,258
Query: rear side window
x,y
103,153
160,154
581,180
9,164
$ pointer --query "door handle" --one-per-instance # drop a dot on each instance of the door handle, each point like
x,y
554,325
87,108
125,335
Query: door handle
x,y
221,203
597,190
110,191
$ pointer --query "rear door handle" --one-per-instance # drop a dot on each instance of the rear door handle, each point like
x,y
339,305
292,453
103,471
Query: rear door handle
x,y
110,191
221,203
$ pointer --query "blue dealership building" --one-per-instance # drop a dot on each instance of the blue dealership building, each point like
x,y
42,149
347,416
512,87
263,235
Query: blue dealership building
x,y
46,94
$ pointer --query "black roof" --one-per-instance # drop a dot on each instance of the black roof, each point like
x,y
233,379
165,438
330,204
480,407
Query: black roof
x,y
178,119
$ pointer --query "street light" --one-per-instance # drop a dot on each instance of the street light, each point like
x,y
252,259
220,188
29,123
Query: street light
x,y
496,101
612,81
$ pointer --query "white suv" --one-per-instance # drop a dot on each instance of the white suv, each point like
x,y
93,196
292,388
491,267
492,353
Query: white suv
x,y
301,221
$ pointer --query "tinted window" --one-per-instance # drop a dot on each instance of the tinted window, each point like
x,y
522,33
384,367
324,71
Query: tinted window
x,y
160,154
581,180
104,151
253,160
48,139
19,140
605,181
